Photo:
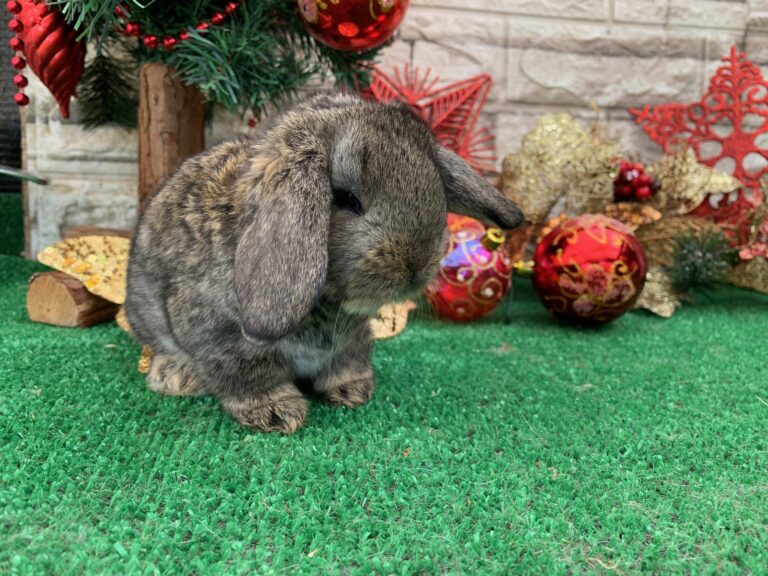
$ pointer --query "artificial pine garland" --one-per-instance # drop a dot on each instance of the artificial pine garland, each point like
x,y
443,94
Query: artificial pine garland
x,y
107,92
243,58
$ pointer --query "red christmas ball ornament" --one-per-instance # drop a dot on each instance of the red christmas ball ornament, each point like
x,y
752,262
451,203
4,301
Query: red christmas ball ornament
x,y
52,50
18,62
169,43
218,19
21,99
15,25
20,81
589,270
474,276
16,43
203,26
184,36
230,7
13,7
151,41
353,25
132,29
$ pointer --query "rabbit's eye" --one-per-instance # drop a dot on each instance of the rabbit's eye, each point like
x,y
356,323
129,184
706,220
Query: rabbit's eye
x,y
347,200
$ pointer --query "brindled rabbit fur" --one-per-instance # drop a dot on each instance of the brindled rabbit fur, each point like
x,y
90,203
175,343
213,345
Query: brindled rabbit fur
x,y
258,264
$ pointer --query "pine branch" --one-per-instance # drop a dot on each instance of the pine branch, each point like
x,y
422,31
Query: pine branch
x,y
700,261
107,92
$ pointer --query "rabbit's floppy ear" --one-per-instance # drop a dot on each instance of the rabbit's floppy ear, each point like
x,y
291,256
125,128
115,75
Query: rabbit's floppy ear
x,y
470,194
281,262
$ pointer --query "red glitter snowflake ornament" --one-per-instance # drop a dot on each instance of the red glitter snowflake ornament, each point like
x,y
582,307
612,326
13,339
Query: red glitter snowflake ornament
x,y
452,111
726,125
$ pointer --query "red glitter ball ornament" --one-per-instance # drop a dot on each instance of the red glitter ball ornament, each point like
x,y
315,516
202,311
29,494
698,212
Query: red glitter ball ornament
x,y
474,276
21,99
589,270
353,25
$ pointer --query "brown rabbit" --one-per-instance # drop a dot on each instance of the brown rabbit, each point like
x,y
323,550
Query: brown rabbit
x,y
259,262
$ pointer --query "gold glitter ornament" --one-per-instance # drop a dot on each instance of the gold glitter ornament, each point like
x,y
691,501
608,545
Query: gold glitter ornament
x,y
752,275
685,182
99,262
659,239
633,214
560,161
658,296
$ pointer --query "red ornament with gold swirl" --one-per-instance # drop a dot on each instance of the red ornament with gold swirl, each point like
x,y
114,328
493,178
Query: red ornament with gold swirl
x,y
474,276
589,269
354,25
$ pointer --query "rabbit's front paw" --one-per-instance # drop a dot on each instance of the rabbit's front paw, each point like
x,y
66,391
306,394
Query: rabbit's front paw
x,y
173,376
282,409
349,392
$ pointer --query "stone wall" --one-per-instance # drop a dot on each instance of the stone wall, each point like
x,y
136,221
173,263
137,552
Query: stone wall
x,y
544,55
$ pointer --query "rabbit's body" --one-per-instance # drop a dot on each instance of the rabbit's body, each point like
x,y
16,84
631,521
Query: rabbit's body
x,y
260,261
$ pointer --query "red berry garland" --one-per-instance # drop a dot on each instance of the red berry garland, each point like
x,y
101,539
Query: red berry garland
x,y
152,41
632,183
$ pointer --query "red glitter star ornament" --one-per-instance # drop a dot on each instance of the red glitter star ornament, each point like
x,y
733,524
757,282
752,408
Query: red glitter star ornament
x,y
452,111
731,118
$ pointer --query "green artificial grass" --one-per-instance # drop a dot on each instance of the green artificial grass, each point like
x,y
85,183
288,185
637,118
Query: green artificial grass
x,y
530,448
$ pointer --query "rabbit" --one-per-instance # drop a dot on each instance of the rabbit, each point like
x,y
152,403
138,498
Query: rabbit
x,y
257,265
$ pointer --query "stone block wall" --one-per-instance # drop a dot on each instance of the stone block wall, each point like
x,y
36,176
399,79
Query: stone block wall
x,y
544,55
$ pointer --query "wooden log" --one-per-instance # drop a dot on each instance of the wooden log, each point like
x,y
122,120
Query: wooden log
x,y
77,231
171,126
59,299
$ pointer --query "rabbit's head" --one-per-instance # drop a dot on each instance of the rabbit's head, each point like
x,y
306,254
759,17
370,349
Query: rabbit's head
x,y
349,202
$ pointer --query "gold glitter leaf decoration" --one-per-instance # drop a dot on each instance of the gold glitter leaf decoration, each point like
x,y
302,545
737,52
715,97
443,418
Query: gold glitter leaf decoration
x,y
633,214
685,182
390,320
657,295
99,262
752,274
557,160
659,239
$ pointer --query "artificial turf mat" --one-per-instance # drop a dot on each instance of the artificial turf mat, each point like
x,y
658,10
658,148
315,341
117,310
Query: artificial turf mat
x,y
489,448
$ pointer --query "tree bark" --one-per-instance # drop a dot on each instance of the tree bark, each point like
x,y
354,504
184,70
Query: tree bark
x,y
59,299
171,126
